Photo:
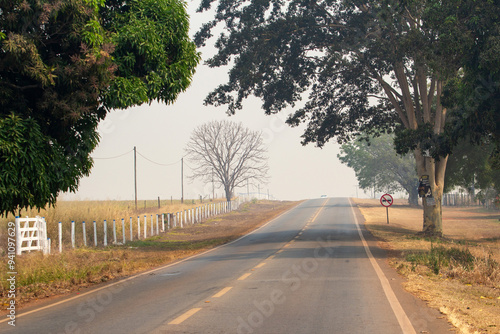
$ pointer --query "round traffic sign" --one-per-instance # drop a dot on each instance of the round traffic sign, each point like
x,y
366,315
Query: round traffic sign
x,y
386,200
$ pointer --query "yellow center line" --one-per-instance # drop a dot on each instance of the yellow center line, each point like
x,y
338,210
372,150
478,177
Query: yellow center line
x,y
319,211
183,317
270,258
222,292
260,265
244,276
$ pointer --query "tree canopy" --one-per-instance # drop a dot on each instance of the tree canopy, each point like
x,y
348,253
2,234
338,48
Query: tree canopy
x,y
63,66
228,153
378,166
364,67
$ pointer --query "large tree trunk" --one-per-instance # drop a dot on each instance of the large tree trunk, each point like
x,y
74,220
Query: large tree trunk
x,y
435,169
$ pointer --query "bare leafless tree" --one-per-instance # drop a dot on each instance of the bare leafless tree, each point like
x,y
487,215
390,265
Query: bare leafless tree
x,y
230,153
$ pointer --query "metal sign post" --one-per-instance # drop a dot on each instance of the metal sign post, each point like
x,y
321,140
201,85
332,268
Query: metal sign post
x,y
386,200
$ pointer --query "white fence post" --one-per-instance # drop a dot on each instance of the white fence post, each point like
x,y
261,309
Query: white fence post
x,y
163,222
131,230
95,233
60,237
72,234
138,228
105,233
145,226
84,234
114,232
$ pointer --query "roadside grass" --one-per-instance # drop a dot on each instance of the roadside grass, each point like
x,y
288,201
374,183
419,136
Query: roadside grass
x,y
39,277
458,274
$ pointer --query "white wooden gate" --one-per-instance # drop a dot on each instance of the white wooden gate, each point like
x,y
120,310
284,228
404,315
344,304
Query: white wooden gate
x,y
31,234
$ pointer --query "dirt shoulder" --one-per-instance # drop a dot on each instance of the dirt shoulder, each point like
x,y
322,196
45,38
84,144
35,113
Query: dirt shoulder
x,y
41,277
459,274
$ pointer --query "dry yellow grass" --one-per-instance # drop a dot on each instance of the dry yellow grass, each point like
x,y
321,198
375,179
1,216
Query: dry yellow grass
x,y
470,298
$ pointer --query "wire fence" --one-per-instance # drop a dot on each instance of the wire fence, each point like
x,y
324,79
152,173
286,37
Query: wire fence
x,y
464,199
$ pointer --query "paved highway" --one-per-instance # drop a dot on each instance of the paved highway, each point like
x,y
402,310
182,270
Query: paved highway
x,y
312,270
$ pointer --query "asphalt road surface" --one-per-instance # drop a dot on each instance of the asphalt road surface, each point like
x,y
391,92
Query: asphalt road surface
x,y
314,269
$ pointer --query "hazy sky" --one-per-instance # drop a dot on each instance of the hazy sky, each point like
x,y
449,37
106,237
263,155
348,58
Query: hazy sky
x,y
160,133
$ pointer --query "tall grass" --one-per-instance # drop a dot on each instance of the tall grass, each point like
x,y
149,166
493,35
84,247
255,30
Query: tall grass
x,y
459,263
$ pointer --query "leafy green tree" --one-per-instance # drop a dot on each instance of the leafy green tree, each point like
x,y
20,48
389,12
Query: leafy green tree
x,y
367,66
474,96
63,66
377,165
470,167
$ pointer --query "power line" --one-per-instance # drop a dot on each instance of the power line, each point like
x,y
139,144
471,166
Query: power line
x,y
157,163
115,157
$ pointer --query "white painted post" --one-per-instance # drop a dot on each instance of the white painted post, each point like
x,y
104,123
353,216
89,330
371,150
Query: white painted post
x,y
152,231
185,217
163,222
105,233
114,232
84,234
60,237
145,226
138,228
131,230
180,215
73,233
123,230
95,233
168,221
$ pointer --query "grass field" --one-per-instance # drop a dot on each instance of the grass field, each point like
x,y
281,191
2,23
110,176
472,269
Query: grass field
x,y
458,274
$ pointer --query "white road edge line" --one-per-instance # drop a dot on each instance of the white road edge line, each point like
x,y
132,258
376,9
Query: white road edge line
x,y
149,271
403,320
